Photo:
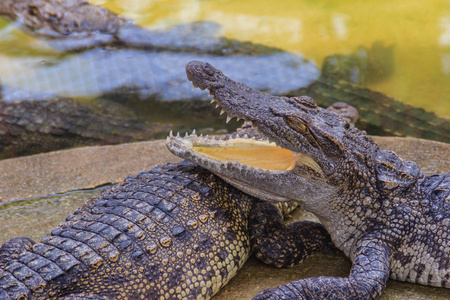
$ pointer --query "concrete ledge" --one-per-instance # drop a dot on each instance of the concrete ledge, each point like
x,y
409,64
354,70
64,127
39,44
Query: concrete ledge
x,y
89,167
76,169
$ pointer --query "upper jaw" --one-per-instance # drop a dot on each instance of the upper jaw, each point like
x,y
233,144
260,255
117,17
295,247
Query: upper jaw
x,y
232,96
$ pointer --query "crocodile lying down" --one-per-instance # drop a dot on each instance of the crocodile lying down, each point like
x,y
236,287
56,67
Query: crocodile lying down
x,y
382,212
175,232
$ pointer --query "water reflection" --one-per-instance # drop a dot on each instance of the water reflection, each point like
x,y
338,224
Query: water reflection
x,y
444,39
246,26
339,22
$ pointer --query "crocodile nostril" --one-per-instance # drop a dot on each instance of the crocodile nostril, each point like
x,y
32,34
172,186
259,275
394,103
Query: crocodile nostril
x,y
208,69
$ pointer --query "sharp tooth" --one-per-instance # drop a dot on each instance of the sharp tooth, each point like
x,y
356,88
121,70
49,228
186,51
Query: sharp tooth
x,y
237,135
228,119
217,105
212,101
186,135
171,134
201,135
207,136
221,112
246,136
238,162
178,134
193,132
253,138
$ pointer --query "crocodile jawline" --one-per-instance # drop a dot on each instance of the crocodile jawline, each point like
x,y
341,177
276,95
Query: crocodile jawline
x,y
240,160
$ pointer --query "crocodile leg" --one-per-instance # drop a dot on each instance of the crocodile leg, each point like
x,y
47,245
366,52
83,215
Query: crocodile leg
x,y
284,246
367,279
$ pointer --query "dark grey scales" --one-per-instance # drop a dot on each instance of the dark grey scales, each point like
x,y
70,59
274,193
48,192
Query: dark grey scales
x,y
175,232
382,212
29,127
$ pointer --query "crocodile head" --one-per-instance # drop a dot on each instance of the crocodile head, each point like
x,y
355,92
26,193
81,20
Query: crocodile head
x,y
303,153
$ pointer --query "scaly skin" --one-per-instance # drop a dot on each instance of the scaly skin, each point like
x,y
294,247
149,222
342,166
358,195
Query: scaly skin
x,y
30,127
381,211
175,232
55,17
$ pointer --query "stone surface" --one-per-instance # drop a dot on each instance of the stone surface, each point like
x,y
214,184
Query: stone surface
x,y
76,169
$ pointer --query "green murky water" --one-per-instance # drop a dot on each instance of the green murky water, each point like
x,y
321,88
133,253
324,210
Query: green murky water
x,y
418,31
36,217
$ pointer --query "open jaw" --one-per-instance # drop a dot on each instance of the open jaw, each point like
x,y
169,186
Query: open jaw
x,y
255,165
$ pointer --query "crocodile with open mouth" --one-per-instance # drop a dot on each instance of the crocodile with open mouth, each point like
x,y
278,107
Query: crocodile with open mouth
x,y
174,232
382,212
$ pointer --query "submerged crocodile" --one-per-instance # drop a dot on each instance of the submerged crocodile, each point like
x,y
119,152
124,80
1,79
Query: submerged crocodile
x,y
30,127
60,18
382,212
379,114
343,78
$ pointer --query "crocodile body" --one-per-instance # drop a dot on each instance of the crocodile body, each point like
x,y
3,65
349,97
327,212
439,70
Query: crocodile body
x,y
30,127
53,17
382,212
175,232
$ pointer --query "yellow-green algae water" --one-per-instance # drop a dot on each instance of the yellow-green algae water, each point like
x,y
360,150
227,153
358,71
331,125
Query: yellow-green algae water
x,y
418,30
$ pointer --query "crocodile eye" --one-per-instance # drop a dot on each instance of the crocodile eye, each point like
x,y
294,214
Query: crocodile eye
x,y
298,123
208,69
